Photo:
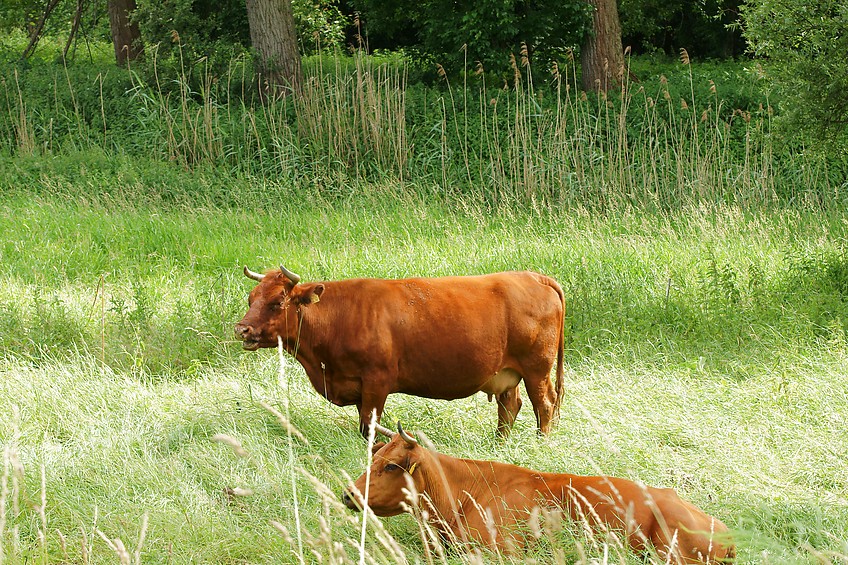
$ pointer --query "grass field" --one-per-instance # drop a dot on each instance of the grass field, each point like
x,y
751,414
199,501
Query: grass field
x,y
706,351
704,262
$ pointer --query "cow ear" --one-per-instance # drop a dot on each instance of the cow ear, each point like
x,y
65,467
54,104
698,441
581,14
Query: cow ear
x,y
409,464
377,447
309,293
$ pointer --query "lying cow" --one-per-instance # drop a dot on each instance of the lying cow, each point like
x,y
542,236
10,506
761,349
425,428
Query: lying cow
x,y
487,502
360,340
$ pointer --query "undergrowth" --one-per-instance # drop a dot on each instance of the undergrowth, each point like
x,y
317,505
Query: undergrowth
x,y
682,134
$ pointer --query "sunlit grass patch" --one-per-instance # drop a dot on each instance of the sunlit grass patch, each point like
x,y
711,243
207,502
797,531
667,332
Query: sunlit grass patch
x,y
119,451
705,352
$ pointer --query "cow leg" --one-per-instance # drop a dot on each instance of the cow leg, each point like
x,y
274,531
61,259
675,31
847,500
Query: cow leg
x,y
372,400
509,403
543,398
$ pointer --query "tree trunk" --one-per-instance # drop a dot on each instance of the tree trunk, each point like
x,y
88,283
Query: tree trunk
x,y
126,36
273,36
74,28
35,32
602,58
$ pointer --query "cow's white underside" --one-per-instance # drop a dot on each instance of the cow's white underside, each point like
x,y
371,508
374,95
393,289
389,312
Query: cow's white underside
x,y
502,381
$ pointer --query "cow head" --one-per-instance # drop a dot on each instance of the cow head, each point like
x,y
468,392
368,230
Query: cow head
x,y
274,308
394,466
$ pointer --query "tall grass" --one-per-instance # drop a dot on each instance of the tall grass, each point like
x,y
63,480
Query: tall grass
x,y
118,467
357,119
704,265
706,352
536,139
158,283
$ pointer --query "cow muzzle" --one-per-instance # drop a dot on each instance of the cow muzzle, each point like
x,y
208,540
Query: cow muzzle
x,y
246,335
349,500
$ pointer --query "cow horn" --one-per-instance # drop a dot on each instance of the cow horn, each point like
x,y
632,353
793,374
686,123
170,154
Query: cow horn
x,y
251,275
405,436
295,278
384,430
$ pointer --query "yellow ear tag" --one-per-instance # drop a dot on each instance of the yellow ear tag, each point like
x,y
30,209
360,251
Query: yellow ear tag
x,y
314,298
412,469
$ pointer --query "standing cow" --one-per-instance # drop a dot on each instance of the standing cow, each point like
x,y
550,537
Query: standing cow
x,y
490,503
360,340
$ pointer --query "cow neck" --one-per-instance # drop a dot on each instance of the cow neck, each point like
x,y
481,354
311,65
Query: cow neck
x,y
305,347
295,345
292,344
483,481
448,481
573,492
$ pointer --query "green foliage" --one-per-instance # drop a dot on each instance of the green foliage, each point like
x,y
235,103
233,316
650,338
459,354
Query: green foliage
x,y
202,25
821,276
803,48
491,31
459,35
720,284
17,14
212,29
19,17
178,30
320,25
24,14
705,28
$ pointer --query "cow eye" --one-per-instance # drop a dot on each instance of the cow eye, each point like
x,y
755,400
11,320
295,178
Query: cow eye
x,y
391,467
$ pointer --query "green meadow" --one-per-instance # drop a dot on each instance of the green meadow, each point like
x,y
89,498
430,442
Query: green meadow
x,y
706,282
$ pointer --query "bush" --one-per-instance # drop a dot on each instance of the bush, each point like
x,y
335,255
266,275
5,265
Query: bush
x,y
803,45
461,36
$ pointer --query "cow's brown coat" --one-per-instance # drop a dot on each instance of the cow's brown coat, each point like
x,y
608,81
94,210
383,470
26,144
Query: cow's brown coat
x,y
360,340
459,493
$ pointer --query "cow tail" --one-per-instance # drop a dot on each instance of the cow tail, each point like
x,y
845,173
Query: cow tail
x,y
560,381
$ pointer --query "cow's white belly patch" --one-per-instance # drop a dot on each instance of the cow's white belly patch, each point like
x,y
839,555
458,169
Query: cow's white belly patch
x,y
502,381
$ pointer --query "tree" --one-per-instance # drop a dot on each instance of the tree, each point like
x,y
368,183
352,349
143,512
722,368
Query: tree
x,y
126,37
319,23
705,28
210,28
460,33
38,28
803,46
601,57
75,26
272,34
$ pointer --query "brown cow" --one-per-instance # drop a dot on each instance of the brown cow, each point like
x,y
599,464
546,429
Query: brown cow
x,y
487,502
360,340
